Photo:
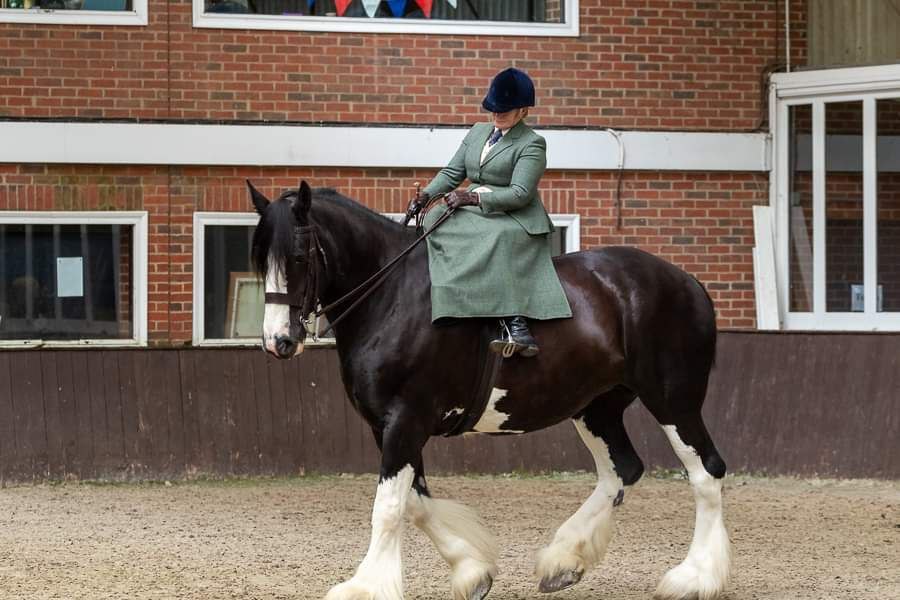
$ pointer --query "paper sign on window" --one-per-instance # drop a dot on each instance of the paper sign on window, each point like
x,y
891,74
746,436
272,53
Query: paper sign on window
x,y
69,277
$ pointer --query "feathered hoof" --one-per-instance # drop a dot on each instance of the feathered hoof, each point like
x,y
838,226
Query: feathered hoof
x,y
472,580
481,590
350,590
686,582
559,581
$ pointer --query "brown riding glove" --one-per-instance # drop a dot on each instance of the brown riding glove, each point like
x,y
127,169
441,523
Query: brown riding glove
x,y
457,199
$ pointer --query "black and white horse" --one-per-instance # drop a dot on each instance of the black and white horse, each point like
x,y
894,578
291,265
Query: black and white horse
x,y
641,328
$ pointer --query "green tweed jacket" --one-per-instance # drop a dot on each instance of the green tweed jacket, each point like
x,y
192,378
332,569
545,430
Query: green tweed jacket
x,y
511,170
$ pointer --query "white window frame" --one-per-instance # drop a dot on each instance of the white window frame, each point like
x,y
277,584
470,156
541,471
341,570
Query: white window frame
x,y
138,220
137,16
569,28
201,220
818,88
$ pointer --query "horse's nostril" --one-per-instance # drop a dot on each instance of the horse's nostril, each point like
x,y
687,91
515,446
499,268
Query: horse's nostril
x,y
285,346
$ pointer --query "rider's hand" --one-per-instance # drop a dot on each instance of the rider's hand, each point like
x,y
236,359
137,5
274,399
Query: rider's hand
x,y
457,199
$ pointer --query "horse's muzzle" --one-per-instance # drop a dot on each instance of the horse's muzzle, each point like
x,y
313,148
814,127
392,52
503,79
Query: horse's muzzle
x,y
283,347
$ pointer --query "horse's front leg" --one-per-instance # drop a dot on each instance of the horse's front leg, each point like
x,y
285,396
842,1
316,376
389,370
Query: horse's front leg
x,y
380,575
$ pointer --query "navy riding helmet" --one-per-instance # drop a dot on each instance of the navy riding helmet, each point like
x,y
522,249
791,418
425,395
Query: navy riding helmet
x,y
510,89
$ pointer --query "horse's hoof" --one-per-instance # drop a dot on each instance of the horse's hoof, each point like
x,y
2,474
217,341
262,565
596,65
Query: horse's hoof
x,y
481,590
560,581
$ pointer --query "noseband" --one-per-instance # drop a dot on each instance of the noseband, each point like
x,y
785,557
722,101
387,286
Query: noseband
x,y
303,302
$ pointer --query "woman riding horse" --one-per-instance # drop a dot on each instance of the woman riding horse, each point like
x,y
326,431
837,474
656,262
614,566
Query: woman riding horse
x,y
492,259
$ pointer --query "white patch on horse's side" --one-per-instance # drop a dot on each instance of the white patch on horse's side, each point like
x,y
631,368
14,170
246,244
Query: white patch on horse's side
x,y
492,420
704,573
461,537
453,411
581,542
380,574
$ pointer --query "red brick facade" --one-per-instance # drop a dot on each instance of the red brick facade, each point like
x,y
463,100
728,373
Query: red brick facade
x,y
650,65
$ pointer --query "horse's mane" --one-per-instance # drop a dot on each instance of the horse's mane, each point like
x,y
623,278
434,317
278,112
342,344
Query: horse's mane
x,y
275,238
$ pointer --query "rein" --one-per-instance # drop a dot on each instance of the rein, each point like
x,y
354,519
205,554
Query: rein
x,y
375,281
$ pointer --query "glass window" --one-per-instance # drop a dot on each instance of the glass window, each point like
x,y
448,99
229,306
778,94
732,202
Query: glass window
x,y
843,207
229,302
888,202
68,282
497,17
97,5
801,208
524,11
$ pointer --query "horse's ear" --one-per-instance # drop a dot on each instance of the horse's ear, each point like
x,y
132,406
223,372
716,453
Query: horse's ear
x,y
260,202
304,201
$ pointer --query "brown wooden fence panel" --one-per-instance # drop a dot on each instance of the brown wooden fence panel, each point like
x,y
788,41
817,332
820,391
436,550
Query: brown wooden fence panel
x,y
825,404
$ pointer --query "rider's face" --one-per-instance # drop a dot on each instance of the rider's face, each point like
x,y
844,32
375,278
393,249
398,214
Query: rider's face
x,y
506,120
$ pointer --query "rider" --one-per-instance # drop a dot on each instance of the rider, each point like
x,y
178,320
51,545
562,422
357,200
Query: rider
x,y
493,257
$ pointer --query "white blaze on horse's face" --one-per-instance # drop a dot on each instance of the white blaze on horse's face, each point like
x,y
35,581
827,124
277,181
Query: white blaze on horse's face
x,y
277,320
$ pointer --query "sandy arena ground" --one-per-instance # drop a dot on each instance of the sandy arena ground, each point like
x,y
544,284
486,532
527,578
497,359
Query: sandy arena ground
x,y
268,539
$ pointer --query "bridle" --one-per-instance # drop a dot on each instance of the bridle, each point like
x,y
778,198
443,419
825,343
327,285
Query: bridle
x,y
307,249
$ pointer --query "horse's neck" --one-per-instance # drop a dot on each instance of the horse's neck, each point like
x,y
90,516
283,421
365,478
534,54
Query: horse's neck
x,y
356,246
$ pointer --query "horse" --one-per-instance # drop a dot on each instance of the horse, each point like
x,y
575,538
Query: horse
x,y
641,328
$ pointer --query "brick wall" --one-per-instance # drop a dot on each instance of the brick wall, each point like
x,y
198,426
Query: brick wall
x,y
656,64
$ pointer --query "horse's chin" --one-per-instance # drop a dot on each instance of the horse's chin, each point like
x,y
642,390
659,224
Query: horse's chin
x,y
299,350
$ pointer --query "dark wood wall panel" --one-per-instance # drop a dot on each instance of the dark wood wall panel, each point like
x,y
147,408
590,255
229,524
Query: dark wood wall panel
x,y
826,404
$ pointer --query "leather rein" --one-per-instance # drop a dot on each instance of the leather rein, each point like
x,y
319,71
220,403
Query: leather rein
x,y
307,303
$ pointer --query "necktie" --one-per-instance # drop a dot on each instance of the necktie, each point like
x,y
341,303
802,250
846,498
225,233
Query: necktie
x,y
495,137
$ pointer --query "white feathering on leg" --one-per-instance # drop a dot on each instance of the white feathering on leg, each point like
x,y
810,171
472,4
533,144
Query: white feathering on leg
x,y
461,538
380,575
705,571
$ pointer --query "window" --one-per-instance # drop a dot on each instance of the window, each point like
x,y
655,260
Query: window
x,y
228,296
74,12
837,202
487,17
73,278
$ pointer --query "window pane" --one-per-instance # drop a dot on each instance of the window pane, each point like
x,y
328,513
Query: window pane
x,y
65,282
888,198
94,5
525,11
801,207
233,296
843,207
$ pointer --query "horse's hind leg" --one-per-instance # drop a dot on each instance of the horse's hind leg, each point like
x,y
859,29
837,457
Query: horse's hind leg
x,y
704,573
459,536
581,541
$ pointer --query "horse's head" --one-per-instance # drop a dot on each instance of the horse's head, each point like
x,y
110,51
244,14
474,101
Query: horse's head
x,y
285,254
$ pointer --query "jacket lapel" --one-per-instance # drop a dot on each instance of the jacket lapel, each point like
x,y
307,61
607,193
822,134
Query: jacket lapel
x,y
505,142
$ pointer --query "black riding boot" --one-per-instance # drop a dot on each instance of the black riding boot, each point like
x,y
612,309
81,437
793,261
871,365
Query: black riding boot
x,y
516,339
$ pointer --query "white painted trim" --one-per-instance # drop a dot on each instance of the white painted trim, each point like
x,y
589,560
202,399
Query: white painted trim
x,y
870,207
139,220
343,146
819,222
766,288
136,17
569,28
821,82
885,321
